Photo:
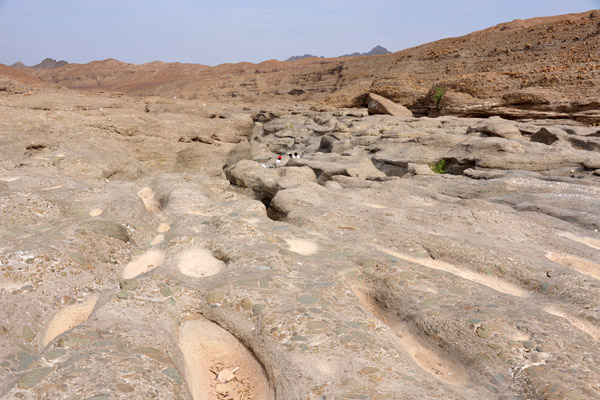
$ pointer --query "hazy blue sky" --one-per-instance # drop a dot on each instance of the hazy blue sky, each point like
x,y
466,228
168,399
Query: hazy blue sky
x,y
214,32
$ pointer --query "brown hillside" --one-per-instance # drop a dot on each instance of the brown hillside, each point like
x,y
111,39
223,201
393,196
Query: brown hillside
x,y
542,67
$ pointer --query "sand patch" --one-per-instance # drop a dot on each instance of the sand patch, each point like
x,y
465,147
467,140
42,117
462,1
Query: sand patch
x,y
158,239
427,357
218,365
162,228
151,202
198,263
485,280
53,188
581,324
588,241
373,205
96,212
10,178
68,318
301,246
579,264
144,263
8,284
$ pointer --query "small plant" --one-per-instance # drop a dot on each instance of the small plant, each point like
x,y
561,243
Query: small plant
x,y
439,167
438,94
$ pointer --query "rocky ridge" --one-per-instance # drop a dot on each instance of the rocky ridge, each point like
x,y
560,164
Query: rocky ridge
x,y
375,51
538,68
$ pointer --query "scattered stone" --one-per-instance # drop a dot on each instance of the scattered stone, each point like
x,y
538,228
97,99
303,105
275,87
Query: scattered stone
x,y
484,331
124,388
257,309
128,284
227,374
214,297
28,334
32,378
247,304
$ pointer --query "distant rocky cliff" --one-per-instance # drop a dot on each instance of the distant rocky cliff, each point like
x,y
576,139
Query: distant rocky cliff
x,y
375,51
48,63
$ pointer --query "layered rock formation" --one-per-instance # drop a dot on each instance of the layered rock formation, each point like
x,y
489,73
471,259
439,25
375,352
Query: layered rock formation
x,y
539,68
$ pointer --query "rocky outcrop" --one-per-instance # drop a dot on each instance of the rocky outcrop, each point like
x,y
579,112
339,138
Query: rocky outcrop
x,y
49,63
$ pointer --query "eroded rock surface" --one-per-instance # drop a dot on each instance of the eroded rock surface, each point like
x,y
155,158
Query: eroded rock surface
x,y
138,265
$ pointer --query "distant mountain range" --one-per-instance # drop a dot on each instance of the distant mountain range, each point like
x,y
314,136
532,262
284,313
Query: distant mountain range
x,y
376,51
48,63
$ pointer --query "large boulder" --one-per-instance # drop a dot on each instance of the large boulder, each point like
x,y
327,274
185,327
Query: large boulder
x,y
326,166
497,127
266,182
380,105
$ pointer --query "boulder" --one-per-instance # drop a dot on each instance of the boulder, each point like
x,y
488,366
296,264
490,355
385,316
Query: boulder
x,y
380,105
326,166
419,169
498,128
548,135
266,182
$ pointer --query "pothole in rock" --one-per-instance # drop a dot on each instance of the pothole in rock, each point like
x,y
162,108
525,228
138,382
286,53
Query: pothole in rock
x,y
199,262
68,318
144,263
218,365
428,357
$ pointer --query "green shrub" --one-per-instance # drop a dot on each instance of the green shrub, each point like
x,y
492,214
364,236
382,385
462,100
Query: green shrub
x,y
437,97
439,167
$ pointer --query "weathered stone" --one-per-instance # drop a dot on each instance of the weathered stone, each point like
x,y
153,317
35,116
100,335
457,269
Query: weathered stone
x,y
32,378
128,284
214,297
380,105
503,129
28,334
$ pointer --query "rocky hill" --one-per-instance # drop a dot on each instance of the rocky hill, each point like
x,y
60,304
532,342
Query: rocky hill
x,y
50,63
375,51
544,67
539,68
296,58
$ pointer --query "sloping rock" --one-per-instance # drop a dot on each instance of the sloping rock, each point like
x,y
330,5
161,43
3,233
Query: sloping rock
x,y
380,105
498,153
